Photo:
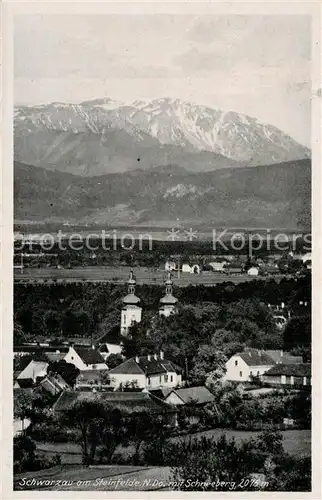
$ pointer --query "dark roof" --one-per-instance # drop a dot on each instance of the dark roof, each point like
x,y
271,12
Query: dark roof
x,y
199,395
133,402
55,356
88,355
111,337
54,384
146,366
284,357
254,357
87,376
127,367
161,393
297,370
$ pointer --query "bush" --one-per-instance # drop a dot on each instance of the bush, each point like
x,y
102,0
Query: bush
x,y
52,432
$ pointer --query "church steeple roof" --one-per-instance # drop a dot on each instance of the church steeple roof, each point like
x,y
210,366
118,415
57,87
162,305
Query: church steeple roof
x,y
168,297
131,298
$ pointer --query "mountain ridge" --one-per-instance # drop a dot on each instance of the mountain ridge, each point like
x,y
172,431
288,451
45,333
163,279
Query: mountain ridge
x,y
263,196
103,136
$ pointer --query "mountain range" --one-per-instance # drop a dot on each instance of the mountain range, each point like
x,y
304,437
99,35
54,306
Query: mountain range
x,y
161,162
104,136
273,196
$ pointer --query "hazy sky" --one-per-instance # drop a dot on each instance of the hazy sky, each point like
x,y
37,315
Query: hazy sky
x,y
258,65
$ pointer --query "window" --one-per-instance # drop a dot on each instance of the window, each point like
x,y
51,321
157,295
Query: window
x,y
257,373
160,379
250,373
236,362
149,381
240,374
72,357
171,378
166,378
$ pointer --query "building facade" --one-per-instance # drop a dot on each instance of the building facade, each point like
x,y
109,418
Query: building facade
x,y
131,311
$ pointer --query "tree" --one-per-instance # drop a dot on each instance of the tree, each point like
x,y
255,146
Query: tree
x,y
207,362
114,360
68,371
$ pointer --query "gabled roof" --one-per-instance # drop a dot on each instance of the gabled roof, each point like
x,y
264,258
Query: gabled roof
x,y
279,356
88,355
146,366
55,356
111,337
132,402
198,395
297,370
128,367
33,369
254,357
54,384
87,376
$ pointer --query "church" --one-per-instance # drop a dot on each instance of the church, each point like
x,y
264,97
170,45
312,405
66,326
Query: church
x,y
132,312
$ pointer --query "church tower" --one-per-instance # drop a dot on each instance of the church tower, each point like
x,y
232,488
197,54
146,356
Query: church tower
x,y
131,311
168,302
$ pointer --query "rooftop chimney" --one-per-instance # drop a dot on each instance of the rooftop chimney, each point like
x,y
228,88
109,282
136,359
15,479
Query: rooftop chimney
x,y
155,356
161,355
149,357
137,359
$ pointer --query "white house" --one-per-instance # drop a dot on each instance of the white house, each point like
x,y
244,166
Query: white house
x,y
253,271
253,362
243,365
33,371
218,267
149,372
192,269
85,358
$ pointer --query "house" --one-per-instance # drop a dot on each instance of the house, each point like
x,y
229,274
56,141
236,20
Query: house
x,y
170,265
279,356
85,358
233,269
151,372
288,374
243,365
191,268
34,371
218,266
253,271
129,402
110,342
190,396
253,362
93,379
54,384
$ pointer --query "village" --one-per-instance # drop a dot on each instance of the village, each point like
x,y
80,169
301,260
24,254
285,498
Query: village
x,y
133,370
